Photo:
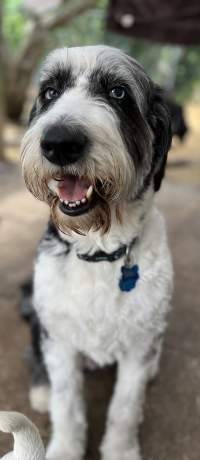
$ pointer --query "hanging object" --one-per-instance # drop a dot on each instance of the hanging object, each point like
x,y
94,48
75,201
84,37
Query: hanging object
x,y
166,21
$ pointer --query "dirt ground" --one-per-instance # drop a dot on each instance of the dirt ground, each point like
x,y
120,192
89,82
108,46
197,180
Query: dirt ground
x,y
171,430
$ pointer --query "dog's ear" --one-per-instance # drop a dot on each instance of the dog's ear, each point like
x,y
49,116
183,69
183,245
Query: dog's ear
x,y
33,113
160,122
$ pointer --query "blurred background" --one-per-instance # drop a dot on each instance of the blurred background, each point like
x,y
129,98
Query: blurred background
x,y
165,37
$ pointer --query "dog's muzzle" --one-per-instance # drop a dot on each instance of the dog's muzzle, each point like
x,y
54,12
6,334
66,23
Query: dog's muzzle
x,y
65,145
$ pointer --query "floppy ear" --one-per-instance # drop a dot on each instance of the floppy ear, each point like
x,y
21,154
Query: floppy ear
x,y
160,122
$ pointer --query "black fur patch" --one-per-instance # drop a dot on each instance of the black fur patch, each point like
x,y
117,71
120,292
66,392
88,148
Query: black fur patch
x,y
60,79
26,307
50,238
37,332
37,364
52,233
33,113
160,122
101,82
134,128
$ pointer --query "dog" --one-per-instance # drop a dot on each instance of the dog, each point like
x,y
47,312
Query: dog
x,y
27,440
95,151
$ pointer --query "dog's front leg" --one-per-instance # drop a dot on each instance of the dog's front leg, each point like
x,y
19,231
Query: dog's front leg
x,y
125,413
67,406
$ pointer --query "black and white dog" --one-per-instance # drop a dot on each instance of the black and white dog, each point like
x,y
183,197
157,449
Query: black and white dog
x,y
95,151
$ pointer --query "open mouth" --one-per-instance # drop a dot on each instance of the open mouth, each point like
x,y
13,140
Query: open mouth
x,y
76,194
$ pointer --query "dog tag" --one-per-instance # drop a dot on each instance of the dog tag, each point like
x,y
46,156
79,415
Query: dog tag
x,y
129,278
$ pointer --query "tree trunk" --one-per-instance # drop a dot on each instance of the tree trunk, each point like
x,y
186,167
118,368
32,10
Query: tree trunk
x,y
1,122
19,72
1,88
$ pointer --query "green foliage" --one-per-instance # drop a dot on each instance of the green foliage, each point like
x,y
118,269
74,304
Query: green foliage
x,y
86,29
14,23
188,72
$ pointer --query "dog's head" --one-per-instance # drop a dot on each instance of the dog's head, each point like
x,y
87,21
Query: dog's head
x,y
99,135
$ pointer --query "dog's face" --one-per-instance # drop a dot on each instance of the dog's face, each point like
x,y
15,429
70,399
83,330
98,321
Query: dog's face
x,y
98,136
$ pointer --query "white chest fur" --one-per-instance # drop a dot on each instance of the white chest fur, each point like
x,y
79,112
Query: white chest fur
x,y
81,304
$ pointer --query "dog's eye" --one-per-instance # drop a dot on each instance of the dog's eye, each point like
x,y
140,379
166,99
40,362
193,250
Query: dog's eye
x,y
118,92
50,93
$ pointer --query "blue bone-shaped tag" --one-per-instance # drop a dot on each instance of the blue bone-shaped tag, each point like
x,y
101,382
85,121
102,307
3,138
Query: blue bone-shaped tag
x,y
129,278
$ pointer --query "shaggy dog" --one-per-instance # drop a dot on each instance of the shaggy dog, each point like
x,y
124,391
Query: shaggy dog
x,y
95,151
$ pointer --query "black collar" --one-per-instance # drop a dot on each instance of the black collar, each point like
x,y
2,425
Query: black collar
x,y
100,256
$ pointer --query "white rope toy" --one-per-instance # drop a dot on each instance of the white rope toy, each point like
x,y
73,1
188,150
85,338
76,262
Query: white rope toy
x,y
27,441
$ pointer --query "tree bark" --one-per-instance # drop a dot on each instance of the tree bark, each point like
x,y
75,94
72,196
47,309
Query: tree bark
x,y
1,123
20,72
1,87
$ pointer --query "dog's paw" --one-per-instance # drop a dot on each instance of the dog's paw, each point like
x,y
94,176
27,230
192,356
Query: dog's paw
x,y
39,397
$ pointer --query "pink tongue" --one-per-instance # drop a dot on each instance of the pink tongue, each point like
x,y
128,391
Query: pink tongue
x,y
72,188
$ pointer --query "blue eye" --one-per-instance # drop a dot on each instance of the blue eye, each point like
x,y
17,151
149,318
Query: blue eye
x,y
50,93
118,92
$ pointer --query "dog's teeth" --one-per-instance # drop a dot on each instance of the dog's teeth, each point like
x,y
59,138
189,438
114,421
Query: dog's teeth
x,y
66,202
78,203
89,192
83,200
70,205
62,201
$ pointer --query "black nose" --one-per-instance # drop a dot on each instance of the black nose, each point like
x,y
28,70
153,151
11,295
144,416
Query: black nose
x,y
63,145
